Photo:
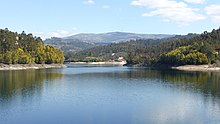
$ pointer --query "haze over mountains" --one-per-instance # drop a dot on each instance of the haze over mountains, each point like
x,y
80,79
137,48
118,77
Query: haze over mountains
x,y
83,41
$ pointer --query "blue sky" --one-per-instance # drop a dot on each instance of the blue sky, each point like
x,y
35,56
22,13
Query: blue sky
x,y
47,18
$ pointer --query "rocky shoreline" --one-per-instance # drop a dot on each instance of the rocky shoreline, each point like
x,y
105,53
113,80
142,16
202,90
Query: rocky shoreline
x,y
29,66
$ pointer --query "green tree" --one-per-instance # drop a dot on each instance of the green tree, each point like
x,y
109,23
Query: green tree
x,y
8,57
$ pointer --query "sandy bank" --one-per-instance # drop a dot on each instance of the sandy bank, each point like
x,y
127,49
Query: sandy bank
x,y
197,68
100,63
29,66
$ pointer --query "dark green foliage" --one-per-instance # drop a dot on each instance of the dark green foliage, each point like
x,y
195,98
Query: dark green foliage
x,y
105,52
24,48
8,57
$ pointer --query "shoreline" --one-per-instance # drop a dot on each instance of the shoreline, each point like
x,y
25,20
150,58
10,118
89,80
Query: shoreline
x,y
30,66
197,68
99,63
189,68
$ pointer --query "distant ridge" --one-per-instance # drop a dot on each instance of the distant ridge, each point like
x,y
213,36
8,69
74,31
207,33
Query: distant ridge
x,y
83,41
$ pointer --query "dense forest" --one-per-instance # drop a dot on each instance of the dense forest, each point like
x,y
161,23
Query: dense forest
x,y
179,50
24,48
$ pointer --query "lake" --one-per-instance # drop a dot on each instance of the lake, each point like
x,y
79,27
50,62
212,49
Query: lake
x,y
89,94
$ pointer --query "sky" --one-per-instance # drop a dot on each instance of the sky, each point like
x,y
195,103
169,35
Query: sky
x,y
60,18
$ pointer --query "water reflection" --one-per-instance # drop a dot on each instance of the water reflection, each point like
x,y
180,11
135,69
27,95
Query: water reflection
x,y
24,82
206,82
109,95
150,96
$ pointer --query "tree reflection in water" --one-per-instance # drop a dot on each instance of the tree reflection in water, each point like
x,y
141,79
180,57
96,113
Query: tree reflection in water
x,y
24,82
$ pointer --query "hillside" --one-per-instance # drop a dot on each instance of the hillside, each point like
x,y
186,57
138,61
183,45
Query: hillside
x,y
84,41
122,48
178,50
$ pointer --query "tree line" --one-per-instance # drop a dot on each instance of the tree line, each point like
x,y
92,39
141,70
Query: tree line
x,y
24,48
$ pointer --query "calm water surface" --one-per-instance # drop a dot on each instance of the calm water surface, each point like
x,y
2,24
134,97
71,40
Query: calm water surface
x,y
109,95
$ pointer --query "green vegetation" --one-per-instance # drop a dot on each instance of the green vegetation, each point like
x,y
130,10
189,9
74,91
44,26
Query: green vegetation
x,y
106,52
178,50
24,49
185,55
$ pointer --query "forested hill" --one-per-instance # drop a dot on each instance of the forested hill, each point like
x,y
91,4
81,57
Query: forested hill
x,y
121,49
180,50
84,41
24,48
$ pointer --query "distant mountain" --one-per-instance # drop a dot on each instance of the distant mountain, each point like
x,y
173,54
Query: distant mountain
x,y
83,41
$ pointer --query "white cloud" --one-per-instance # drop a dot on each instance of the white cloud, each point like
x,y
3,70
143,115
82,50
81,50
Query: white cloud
x,y
89,2
195,1
214,12
170,10
105,6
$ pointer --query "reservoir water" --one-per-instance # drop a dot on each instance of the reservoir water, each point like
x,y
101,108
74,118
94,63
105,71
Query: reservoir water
x,y
86,94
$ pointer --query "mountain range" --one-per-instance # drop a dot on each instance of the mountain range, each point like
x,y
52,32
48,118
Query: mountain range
x,y
84,41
